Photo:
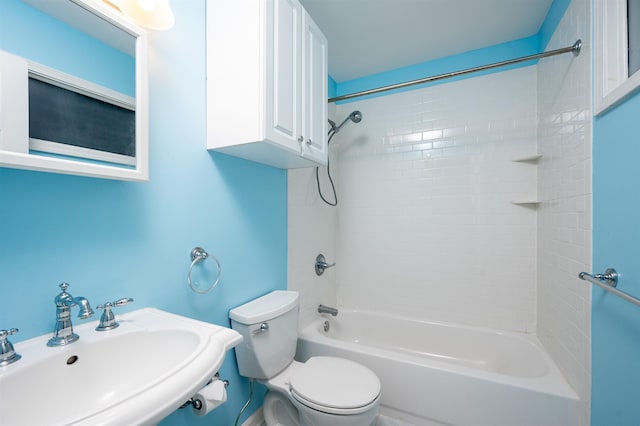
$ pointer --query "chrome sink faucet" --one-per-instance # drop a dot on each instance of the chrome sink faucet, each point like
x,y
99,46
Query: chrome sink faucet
x,y
327,310
63,333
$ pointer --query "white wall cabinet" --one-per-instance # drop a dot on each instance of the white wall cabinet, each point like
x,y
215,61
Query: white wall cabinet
x,y
315,90
266,83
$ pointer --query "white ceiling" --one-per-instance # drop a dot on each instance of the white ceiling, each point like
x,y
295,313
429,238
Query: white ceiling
x,y
371,36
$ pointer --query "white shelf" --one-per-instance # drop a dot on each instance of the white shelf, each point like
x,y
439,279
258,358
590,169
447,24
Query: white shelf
x,y
528,159
526,202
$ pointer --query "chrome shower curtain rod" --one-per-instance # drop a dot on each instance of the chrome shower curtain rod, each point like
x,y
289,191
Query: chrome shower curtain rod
x,y
575,49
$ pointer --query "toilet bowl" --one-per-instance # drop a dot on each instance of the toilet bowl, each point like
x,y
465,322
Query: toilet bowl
x,y
279,411
327,391
323,391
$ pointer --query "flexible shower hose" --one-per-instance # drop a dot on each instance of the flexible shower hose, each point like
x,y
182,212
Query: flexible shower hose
x,y
333,187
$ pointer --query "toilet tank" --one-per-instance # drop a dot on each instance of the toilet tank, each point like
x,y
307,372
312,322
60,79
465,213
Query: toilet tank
x,y
269,327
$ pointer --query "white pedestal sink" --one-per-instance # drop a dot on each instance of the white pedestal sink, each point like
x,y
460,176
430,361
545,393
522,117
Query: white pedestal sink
x,y
137,373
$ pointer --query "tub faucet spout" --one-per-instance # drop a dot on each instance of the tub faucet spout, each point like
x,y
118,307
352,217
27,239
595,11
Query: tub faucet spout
x,y
327,310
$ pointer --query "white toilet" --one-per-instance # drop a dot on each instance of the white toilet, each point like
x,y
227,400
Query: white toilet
x,y
324,391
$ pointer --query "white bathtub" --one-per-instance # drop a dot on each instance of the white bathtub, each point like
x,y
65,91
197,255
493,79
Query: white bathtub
x,y
436,373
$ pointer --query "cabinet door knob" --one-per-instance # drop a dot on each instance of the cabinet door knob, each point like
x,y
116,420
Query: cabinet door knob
x,y
300,138
309,142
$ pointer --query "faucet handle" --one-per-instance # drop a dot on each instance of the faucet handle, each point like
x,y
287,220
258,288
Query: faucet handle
x,y
7,354
5,333
321,264
108,320
119,302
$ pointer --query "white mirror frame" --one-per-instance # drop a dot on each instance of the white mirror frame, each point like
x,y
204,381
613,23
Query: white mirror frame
x,y
69,12
612,82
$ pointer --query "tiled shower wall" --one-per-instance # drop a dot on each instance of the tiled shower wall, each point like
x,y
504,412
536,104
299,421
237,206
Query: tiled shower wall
x,y
564,228
312,228
312,231
426,226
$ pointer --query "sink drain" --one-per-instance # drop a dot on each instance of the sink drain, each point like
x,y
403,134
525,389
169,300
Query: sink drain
x,y
72,360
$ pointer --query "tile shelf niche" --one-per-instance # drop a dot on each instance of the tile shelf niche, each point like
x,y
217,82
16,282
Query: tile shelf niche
x,y
527,201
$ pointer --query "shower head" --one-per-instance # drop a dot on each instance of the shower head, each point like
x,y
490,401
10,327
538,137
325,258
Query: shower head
x,y
355,116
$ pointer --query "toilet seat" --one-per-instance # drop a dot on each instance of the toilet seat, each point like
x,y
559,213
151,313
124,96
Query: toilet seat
x,y
335,385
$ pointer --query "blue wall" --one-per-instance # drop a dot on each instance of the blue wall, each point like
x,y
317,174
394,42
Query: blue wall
x,y
111,239
615,325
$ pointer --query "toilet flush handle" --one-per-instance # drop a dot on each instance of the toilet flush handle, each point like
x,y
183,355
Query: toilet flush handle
x,y
263,327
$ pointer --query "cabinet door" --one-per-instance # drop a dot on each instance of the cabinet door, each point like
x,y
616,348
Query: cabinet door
x,y
283,82
314,92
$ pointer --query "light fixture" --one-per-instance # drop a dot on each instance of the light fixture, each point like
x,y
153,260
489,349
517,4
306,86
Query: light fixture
x,y
150,14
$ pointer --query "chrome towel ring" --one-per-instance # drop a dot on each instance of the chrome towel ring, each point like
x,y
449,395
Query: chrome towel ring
x,y
198,254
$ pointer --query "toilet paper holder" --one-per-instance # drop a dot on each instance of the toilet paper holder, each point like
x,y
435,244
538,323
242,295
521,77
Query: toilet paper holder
x,y
196,403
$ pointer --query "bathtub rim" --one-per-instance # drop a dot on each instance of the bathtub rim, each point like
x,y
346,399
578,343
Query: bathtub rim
x,y
553,383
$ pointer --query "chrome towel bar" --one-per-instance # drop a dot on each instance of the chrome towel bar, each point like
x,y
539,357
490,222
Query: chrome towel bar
x,y
609,281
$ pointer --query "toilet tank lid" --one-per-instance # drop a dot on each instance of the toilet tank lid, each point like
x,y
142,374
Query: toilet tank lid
x,y
264,308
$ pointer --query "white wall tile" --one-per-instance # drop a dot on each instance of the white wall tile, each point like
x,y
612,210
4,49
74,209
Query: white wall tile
x,y
426,226
564,231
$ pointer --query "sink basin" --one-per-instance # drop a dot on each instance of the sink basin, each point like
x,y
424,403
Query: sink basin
x,y
137,373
